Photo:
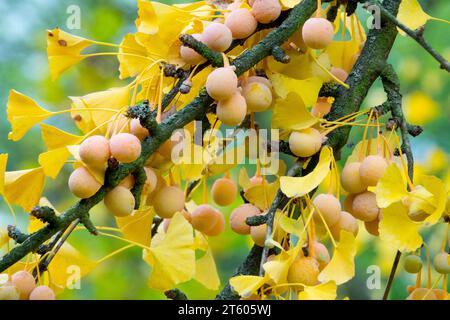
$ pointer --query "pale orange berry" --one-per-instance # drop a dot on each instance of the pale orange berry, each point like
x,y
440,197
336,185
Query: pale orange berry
x,y
258,234
351,179
304,270
364,206
190,56
224,191
24,282
42,293
222,83
317,33
346,222
217,36
138,130
304,143
168,200
82,184
241,23
125,147
266,11
94,151
233,110
329,208
372,169
239,216
120,201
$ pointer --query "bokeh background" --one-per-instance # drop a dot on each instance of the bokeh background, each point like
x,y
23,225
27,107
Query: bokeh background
x,y
23,66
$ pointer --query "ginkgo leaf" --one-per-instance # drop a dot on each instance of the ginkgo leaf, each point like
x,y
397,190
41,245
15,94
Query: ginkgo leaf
x,y
23,113
147,21
307,89
113,99
132,58
398,229
244,179
245,286
411,14
289,4
64,50
438,189
299,186
323,291
291,226
24,187
262,195
206,271
391,187
52,161
68,266
173,258
291,114
137,226
55,138
341,53
3,162
278,268
341,267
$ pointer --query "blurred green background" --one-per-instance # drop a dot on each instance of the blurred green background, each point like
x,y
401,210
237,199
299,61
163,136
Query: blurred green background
x,y
23,66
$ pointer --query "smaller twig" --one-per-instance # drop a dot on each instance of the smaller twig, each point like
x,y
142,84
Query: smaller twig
x,y
258,220
280,55
86,221
45,214
417,35
175,294
392,275
139,181
156,222
17,235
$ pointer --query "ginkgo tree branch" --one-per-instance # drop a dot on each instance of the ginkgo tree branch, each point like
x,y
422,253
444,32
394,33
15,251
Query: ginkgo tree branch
x,y
195,110
417,35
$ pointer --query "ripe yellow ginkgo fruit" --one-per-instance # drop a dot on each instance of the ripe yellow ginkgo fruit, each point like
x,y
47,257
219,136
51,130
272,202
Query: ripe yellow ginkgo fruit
x,y
241,23
304,270
120,201
239,216
305,143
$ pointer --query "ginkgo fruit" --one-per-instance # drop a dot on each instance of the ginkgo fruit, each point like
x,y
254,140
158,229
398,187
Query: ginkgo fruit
x,y
82,184
239,216
441,263
208,220
321,254
351,179
258,79
304,270
346,222
258,234
42,293
305,143
128,182
412,264
138,130
232,111
125,147
328,207
24,282
9,293
258,96
224,191
266,11
168,146
317,33
222,83
120,201
372,227
321,108
241,23
339,73
151,181
364,206
94,151
168,200
190,56
217,36
372,169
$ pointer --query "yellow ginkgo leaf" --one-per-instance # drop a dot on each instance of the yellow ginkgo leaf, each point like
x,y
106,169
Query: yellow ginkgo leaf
x,y
206,271
291,114
55,138
173,258
113,99
263,194
200,241
438,189
64,50
3,161
132,58
342,265
289,4
52,161
420,108
67,267
341,53
291,226
307,89
323,291
137,226
411,14
23,113
245,286
299,186
147,21
24,187
244,179
391,187
398,229
278,268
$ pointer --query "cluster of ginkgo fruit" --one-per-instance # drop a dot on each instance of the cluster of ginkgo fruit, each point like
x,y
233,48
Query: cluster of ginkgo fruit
x,y
22,286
